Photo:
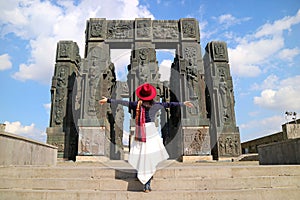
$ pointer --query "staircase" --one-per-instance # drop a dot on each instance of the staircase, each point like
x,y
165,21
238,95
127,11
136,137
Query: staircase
x,y
116,180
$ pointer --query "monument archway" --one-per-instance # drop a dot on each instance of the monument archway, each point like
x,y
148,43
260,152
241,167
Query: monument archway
x,y
80,127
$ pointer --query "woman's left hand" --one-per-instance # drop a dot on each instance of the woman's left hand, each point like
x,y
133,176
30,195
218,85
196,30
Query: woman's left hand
x,y
103,101
188,104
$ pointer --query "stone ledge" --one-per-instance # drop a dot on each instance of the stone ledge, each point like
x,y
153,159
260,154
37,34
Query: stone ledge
x,y
91,159
186,159
18,137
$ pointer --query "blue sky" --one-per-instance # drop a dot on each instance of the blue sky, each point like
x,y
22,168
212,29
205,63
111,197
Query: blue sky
x,y
262,38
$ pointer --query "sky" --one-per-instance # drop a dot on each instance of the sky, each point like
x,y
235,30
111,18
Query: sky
x,y
262,38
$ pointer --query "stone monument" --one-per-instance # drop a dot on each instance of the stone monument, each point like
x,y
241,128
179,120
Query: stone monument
x,y
83,129
225,136
62,131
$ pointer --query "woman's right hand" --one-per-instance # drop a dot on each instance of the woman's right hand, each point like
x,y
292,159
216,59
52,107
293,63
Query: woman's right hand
x,y
103,101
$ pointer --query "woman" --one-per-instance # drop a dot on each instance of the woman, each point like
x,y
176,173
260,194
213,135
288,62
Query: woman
x,y
147,150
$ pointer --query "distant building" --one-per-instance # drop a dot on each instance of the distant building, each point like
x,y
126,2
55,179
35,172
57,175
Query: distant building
x,y
290,130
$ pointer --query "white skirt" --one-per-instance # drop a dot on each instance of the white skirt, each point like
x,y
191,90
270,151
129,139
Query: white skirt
x,y
145,156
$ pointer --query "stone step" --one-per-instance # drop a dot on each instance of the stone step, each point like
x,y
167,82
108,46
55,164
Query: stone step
x,y
172,171
107,184
245,194
117,180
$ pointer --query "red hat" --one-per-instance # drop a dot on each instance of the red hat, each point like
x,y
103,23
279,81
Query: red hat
x,y
146,92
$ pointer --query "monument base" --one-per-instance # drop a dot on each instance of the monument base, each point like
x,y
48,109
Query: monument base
x,y
186,159
228,159
91,159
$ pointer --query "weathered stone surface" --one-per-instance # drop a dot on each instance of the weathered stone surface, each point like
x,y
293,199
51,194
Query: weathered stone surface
x,y
91,141
176,181
189,29
196,141
17,150
291,131
143,29
285,152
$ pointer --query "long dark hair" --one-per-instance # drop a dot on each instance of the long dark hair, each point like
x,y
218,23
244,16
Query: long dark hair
x,y
147,104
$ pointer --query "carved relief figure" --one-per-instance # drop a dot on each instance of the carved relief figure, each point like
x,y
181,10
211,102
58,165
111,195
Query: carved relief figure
x,y
221,146
143,55
60,95
119,29
198,140
58,114
125,89
143,29
229,145
236,145
165,30
64,50
96,29
190,56
93,77
189,29
85,145
219,51
223,95
223,88
62,78
143,68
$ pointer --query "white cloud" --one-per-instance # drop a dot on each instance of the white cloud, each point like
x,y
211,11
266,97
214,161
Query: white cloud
x,y
41,64
5,62
250,56
254,53
278,26
26,131
270,82
228,20
30,19
47,108
165,70
44,24
283,96
288,54
121,59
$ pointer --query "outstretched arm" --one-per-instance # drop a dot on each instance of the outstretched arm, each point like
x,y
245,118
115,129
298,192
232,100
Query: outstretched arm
x,y
174,104
130,104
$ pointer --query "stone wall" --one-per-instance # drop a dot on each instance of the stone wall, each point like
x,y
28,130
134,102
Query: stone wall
x,y
17,150
285,152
